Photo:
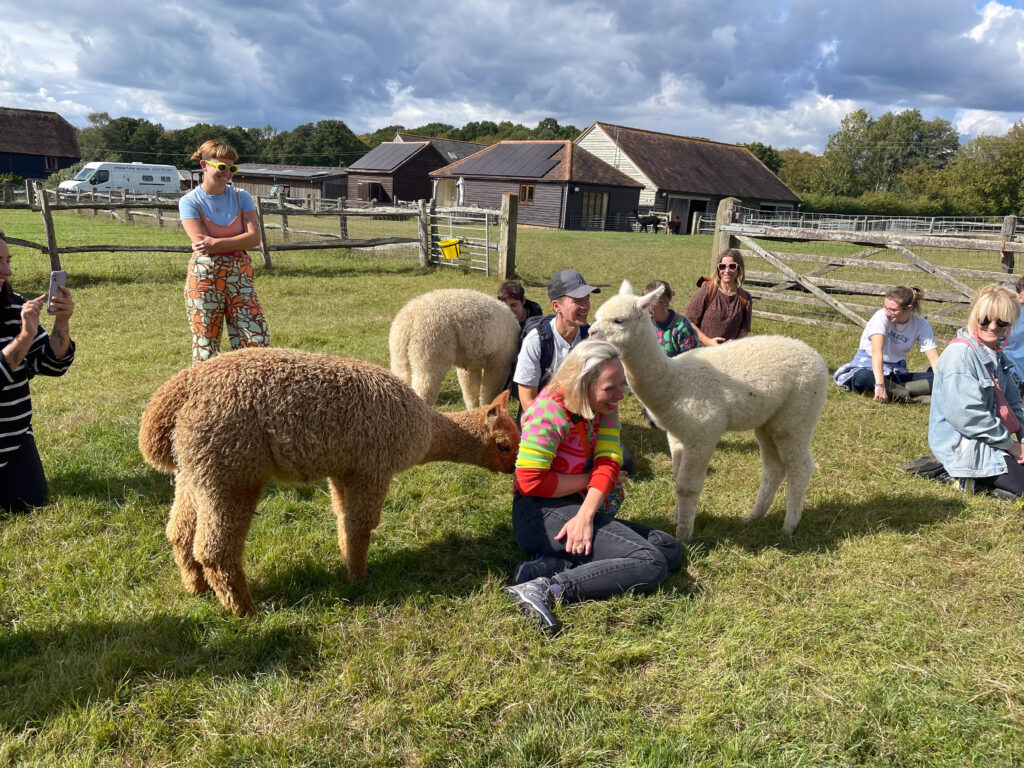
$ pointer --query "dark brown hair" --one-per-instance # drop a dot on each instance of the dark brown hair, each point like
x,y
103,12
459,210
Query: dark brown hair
x,y
907,297
654,285
512,289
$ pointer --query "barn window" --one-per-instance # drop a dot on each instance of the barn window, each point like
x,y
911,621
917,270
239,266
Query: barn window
x,y
51,163
526,194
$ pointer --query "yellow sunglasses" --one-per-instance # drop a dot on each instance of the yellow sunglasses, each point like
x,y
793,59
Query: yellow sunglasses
x,y
221,167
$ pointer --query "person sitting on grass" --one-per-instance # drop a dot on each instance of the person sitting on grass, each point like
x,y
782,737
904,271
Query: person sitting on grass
x,y
1014,349
976,410
27,351
880,365
675,333
567,491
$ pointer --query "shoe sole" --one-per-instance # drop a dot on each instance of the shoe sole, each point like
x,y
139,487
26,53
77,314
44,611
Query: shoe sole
x,y
536,611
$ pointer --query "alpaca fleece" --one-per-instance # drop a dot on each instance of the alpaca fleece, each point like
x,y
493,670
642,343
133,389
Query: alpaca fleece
x,y
475,332
226,426
774,385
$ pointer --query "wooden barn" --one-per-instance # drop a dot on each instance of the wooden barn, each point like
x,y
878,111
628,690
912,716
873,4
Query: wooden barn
x,y
34,144
307,181
682,176
400,169
559,185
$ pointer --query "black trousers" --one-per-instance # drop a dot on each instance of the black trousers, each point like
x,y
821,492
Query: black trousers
x,y
22,482
1011,481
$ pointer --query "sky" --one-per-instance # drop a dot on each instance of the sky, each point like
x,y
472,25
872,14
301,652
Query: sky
x,y
782,72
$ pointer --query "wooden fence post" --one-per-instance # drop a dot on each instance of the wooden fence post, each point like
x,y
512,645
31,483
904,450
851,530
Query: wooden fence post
x,y
723,240
1006,233
29,193
264,248
51,236
423,231
507,222
159,218
343,220
8,192
284,227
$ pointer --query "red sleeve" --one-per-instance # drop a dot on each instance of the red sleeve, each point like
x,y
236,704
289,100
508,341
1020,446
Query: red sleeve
x,y
604,475
537,482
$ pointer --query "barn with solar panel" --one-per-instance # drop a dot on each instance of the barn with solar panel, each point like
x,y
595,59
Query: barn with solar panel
x,y
558,184
399,170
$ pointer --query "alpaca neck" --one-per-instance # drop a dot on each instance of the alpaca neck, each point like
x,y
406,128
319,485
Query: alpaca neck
x,y
647,366
454,437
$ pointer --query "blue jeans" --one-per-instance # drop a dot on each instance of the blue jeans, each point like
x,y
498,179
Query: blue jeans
x,y
864,379
624,555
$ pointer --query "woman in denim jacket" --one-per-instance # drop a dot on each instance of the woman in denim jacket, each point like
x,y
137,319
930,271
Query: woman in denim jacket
x,y
968,430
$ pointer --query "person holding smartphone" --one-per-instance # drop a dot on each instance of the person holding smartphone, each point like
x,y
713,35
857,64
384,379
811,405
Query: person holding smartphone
x,y
222,223
26,350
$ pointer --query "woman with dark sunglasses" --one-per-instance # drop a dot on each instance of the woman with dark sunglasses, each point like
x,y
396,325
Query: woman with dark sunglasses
x,y
880,365
26,350
222,223
976,409
720,309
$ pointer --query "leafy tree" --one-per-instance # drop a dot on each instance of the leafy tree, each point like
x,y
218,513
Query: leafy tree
x,y
387,133
435,130
797,169
64,174
767,154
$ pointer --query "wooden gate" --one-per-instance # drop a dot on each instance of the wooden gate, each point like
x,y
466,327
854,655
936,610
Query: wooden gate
x,y
817,276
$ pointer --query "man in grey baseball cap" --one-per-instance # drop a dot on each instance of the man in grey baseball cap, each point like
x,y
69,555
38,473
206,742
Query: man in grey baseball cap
x,y
546,346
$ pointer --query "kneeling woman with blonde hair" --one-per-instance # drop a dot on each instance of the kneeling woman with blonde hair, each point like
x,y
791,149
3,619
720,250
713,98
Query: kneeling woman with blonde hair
x,y
567,492
976,408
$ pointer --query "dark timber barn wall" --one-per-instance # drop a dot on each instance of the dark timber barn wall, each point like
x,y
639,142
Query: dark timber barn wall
x,y
409,181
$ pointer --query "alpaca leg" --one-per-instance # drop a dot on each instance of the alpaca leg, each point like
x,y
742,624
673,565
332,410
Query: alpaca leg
x,y
338,505
795,452
772,473
181,532
363,498
690,468
469,380
224,515
428,375
493,381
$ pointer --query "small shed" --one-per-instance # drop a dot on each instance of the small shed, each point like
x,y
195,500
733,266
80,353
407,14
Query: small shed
x,y
34,144
682,175
398,170
559,185
308,181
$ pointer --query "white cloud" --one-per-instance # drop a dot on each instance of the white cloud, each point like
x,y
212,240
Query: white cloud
x,y
974,122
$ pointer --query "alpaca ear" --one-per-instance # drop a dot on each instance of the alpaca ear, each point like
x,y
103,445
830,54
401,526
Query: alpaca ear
x,y
648,299
496,409
626,289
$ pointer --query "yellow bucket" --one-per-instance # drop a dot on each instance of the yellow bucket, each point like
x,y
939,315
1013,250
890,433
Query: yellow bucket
x,y
450,248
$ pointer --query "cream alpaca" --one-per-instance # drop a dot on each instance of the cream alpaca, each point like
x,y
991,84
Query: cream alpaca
x,y
475,332
227,426
773,385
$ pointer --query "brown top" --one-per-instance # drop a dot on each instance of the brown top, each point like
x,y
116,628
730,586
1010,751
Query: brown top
x,y
725,316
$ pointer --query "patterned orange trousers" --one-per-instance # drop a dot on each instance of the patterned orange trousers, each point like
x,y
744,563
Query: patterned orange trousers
x,y
220,288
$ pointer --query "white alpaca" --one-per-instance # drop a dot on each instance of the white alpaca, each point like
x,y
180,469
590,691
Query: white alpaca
x,y
475,332
773,385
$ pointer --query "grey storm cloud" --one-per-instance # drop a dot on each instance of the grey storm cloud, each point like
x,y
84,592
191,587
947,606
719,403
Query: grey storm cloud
x,y
259,62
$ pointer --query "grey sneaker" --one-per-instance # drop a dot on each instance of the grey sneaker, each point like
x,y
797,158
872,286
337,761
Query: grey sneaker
x,y
535,601
541,565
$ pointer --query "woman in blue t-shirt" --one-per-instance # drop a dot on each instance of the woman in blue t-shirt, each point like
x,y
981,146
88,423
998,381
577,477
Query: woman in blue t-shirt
x,y
222,222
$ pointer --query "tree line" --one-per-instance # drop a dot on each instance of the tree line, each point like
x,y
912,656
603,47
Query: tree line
x,y
897,164
902,164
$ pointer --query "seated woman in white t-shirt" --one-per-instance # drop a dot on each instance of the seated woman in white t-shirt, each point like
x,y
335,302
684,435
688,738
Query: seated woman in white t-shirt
x,y
880,365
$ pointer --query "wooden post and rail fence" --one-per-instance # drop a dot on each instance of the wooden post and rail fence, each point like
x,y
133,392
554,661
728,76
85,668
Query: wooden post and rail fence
x,y
813,291
426,215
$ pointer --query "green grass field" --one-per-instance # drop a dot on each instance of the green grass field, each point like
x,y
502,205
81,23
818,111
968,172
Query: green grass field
x,y
887,632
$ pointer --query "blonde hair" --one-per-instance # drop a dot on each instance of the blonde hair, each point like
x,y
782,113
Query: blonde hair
x,y
579,370
995,302
215,149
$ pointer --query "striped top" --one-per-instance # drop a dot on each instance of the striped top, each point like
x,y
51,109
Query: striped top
x,y
554,440
15,403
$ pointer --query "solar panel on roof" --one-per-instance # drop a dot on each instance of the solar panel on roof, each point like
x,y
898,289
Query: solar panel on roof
x,y
386,156
529,160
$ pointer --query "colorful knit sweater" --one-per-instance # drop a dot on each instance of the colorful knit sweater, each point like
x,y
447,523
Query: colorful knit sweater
x,y
676,334
556,441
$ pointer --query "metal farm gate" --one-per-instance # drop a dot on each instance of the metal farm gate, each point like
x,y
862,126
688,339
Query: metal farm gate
x,y
476,232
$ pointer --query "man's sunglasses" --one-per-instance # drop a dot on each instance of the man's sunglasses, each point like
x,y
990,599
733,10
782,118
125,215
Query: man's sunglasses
x,y
985,322
221,167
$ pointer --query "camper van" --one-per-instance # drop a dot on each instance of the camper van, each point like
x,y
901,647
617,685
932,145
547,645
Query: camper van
x,y
130,177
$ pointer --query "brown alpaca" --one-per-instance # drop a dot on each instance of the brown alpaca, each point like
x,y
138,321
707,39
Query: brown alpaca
x,y
228,425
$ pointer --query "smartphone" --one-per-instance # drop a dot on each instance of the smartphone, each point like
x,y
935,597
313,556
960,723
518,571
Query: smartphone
x,y
57,279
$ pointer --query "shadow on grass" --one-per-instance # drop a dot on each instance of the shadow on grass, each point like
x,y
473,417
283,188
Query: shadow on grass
x,y
454,565
87,484
824,526
45,672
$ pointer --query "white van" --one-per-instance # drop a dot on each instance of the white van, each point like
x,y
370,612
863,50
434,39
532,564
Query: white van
x,y
130,177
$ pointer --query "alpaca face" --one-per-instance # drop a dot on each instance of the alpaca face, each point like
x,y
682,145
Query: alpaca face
x,y
624,316
502,442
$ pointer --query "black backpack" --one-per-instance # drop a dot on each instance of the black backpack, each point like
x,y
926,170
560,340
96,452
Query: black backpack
x,y
543,324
